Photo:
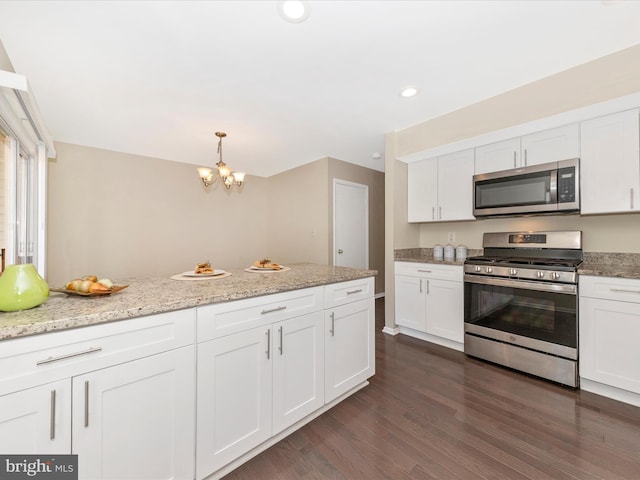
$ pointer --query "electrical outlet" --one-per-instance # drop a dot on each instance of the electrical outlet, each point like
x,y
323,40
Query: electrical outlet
x,y
451,237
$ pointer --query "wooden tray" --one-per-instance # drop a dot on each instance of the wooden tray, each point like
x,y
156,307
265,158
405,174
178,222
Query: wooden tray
x,y
115,289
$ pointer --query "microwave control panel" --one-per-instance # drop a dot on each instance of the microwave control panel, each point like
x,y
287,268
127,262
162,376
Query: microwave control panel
x,y
566,185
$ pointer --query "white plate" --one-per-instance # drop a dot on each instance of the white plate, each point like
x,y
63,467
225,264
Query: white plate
x,y
194,274
253,267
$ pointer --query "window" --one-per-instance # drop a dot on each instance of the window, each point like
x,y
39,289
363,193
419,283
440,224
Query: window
x,y
25,146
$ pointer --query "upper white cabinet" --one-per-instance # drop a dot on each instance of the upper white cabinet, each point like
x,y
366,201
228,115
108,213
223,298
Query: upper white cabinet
x,y
440,189
552,145
610,163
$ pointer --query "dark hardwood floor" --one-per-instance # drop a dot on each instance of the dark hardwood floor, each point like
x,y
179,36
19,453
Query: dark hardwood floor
x,y
433,413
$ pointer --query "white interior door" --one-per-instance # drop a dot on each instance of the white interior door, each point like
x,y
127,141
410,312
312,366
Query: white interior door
x,y
350,224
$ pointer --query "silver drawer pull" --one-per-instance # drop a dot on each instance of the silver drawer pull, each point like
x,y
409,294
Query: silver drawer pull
x,y
277,309
68,355
332,330
354,291
624,290
86,404
424,271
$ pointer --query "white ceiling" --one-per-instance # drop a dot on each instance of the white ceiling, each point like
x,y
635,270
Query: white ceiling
x,y
158,78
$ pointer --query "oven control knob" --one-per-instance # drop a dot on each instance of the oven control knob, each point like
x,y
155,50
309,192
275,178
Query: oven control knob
x,y
488,270
555,275
540,274
477,268
513,271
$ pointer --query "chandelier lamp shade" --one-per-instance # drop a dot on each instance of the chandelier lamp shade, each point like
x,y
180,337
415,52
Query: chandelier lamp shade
x,y
224,172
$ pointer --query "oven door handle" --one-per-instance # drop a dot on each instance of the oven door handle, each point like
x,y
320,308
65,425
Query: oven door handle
x,y
510,283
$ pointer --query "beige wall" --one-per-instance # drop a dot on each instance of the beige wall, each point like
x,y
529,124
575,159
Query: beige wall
x,y
607,78
118,215
298,215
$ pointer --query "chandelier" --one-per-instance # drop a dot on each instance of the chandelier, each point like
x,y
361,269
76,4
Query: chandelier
x,y
228,176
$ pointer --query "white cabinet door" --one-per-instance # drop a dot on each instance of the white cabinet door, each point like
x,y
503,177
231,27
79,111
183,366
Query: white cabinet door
x,y
410,302
562,143
455,186
137,419
498,156
445,317
37,420
234,399
609,333
610,163
298,369
349,346
422,189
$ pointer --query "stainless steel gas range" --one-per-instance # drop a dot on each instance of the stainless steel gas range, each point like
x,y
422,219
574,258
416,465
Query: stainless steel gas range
x,y
521,303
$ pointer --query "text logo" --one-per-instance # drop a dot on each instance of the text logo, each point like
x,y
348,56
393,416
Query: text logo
x,y
50,467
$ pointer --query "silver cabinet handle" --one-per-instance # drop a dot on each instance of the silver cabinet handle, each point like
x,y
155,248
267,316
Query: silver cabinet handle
x,y
332,330
624,290
631,198
52,423
439,213
427,287
268,352
525,157
420,285
281,341
433,213
340,251
277,309
424,271
354,291
86,403
68,355
514,159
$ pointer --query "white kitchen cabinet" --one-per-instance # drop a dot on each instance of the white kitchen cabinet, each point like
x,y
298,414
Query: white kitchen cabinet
x,y
298,369
256,381
610,163
429,302
440,189
37,420
234,399
136,420
349,346
551,145
609,332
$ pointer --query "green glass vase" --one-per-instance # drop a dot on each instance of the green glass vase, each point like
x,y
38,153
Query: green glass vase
x,y
22,287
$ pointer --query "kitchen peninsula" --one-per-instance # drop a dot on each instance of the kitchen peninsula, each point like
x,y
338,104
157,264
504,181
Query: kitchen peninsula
x,y
166,371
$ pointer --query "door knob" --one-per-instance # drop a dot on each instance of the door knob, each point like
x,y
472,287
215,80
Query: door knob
x,y
340,250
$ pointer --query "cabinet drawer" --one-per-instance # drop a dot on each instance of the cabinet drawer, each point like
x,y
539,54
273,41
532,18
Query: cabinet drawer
x,y
38,359
347,292
429,270
226,318
610,288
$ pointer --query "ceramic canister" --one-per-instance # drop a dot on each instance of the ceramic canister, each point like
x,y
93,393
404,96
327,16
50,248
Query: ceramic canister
x,y
461,253
22,287
449,252
438,252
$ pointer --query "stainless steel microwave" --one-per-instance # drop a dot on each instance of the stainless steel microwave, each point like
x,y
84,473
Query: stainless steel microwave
x,y
547,188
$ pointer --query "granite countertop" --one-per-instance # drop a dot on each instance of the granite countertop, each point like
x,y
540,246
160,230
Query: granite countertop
x,y
603,264
147,296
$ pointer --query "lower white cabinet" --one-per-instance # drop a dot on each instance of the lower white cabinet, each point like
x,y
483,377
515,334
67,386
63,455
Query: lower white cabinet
x,y
117,399
136,420
37,420
254,384
609,333
429,302
349,346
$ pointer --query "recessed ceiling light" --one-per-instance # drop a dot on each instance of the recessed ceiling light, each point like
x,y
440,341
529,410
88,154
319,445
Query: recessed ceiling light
x,y
409,92
294,11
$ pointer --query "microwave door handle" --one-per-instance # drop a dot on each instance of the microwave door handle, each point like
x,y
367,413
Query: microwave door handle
x,y
553,187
